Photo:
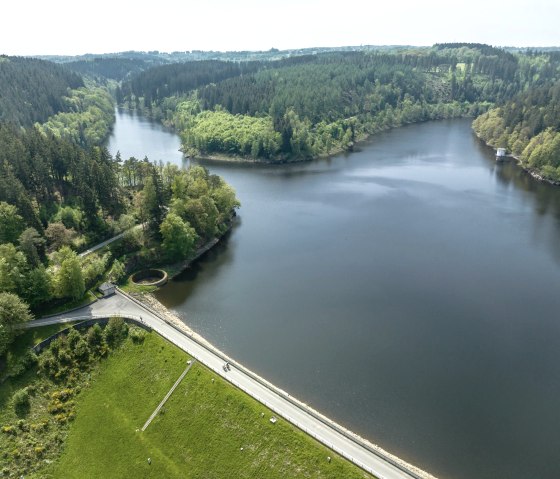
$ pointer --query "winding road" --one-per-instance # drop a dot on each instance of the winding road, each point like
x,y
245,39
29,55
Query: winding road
x,y
365,455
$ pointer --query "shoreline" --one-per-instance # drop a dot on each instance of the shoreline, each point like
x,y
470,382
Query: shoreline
x,y
175,269
149,300
223,158
531,172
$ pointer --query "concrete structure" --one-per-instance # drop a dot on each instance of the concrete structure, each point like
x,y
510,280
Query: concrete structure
x,y
107,289
500,154
369,457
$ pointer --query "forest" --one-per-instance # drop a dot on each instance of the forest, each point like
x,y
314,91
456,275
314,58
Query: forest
x,y
528,125
305,106
57,198
88,119
33,90
61,191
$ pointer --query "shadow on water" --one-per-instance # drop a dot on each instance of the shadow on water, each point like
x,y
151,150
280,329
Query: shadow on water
x,y
182,286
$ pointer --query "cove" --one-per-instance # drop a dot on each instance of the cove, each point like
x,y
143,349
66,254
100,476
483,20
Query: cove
x,y
408,290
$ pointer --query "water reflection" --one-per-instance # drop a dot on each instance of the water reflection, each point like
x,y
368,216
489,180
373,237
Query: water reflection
x,y
408,290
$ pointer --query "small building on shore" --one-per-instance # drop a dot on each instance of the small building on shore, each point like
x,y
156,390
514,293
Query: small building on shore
x,y
107,289
501,154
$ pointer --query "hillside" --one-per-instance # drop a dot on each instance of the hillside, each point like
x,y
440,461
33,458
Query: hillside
x,y
528,125
312,105
33,90
78,424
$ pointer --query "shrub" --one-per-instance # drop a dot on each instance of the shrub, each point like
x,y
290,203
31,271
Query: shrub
x,y
115,331
81,352
94,338
21,402
9,430
137,334
39,450
72,338
48,363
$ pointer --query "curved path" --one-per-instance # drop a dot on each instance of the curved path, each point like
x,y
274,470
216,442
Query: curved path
x,y
107,242
353,448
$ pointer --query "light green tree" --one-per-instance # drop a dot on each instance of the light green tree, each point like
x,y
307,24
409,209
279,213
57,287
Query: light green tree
x,y
179,237
70,279
11,223
117,271
13,267
12,311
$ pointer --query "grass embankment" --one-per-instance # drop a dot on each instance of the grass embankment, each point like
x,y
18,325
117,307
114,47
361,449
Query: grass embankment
x,y
199,433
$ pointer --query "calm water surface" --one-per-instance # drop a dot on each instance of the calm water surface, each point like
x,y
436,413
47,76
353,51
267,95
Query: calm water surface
x,y
408,290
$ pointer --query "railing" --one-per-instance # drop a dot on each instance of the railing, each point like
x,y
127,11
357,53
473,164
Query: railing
x,y
86,322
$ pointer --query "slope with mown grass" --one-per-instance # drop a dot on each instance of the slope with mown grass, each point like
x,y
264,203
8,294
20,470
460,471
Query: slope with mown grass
x,y
207,429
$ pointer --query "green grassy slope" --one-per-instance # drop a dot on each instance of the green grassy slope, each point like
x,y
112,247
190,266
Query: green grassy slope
x,y
199,433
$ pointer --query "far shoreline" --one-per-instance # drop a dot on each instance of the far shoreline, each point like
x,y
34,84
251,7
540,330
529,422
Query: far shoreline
x,y
530,171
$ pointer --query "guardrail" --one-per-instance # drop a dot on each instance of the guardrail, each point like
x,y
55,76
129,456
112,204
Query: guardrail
x,y
86,322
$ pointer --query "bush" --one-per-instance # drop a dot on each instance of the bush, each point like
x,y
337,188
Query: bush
x,y
115,331
137,334
94,336
72,338
47,363
23,363
81,352
21,402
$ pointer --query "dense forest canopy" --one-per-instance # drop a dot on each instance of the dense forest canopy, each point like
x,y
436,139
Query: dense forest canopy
x,y
88,120
167,80
309,105
57,198
33,90
39,173
528,126
111,68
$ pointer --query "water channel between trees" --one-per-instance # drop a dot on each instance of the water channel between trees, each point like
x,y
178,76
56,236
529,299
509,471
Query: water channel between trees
x,y
408,290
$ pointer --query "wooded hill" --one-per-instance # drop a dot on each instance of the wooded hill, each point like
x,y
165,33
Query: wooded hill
x,y
311,105
33,90
39,172
111,68
528,125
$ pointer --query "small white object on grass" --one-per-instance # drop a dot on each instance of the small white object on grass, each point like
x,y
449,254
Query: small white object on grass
x,y
149,460
329,458
273,420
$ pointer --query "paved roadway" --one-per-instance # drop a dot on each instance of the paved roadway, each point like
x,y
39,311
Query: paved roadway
x,y
281,403
106,242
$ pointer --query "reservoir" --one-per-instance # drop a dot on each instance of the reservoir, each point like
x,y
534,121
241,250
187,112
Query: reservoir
x,y
409,291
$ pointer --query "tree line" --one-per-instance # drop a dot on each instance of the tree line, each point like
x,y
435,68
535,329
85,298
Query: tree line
x,y
528,126
312,105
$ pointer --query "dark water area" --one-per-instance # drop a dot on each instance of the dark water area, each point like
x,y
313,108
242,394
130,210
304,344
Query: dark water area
x,y
408,290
